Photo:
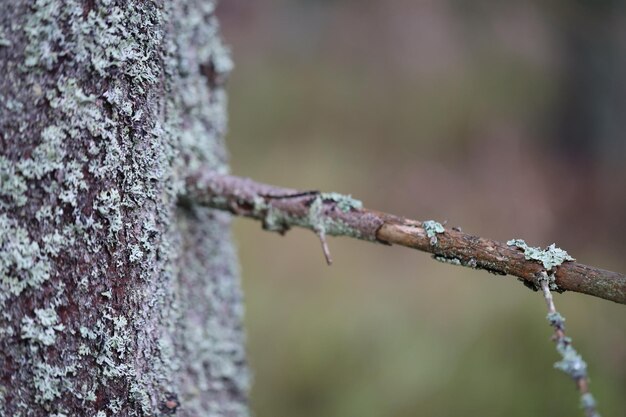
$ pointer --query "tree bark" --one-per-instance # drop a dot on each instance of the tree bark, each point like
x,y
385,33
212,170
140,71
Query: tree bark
x,y
114,300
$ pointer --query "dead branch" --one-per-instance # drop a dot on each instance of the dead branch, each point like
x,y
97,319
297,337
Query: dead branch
x,y
338,215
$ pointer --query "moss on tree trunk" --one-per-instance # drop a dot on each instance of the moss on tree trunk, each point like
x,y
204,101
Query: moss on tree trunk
x,y
114,300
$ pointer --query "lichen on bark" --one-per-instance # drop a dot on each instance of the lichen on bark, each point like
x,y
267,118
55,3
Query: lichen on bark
x,y
113,300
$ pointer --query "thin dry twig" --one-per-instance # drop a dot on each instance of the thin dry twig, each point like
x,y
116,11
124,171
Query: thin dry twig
x,y
322,235
571,363
338,215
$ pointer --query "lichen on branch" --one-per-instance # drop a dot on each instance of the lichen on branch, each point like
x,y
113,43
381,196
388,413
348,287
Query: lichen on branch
x,y
335,214
571,362
550,257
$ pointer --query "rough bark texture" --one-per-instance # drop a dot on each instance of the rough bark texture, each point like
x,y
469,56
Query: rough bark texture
x,y
114,300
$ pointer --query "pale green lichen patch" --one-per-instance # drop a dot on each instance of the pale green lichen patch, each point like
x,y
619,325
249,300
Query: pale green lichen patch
x,y
446,260
471,263
316,219
587,402
320,222
432,228
550,257
51,381
83,112
571,362
109,36
13,105
87,333
4,40
274,220
117,345
12,185
108,205
43,328
23,263
344,203
84,350
315,216
334,227
139,395
135,253
115,405
46,157
556,320
73,183
53,243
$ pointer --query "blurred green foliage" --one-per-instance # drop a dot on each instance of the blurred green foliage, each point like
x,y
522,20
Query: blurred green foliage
x,y
433,110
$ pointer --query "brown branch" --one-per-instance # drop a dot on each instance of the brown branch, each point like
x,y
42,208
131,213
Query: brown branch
x,y
338,215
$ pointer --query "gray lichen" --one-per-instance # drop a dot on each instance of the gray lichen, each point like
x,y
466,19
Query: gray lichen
x,y
108,205
550,257
43,328
556,320
320,222
451,261
51,381
317,217
471,263
344,203
23,263
571,363
432,228
588,403
4,41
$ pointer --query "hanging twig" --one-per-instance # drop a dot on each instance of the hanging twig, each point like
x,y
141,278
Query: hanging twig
x,y
571,363
339,215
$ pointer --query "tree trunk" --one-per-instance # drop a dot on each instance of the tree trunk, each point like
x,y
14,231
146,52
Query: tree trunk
x,y
114,299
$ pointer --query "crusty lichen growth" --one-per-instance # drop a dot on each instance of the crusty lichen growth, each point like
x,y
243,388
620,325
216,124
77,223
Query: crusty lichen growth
x,y
432,228
326,225
317,217
445,260
344,203
550,257
23,263
43,328
105,106
4,40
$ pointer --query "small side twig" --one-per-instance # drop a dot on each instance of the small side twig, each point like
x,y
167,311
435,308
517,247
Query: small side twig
x,y
322,235
571,363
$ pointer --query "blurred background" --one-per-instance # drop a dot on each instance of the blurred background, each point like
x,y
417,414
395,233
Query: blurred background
x,y
505,118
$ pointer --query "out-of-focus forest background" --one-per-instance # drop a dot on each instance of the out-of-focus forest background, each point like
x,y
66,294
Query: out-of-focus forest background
x,y
505,118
